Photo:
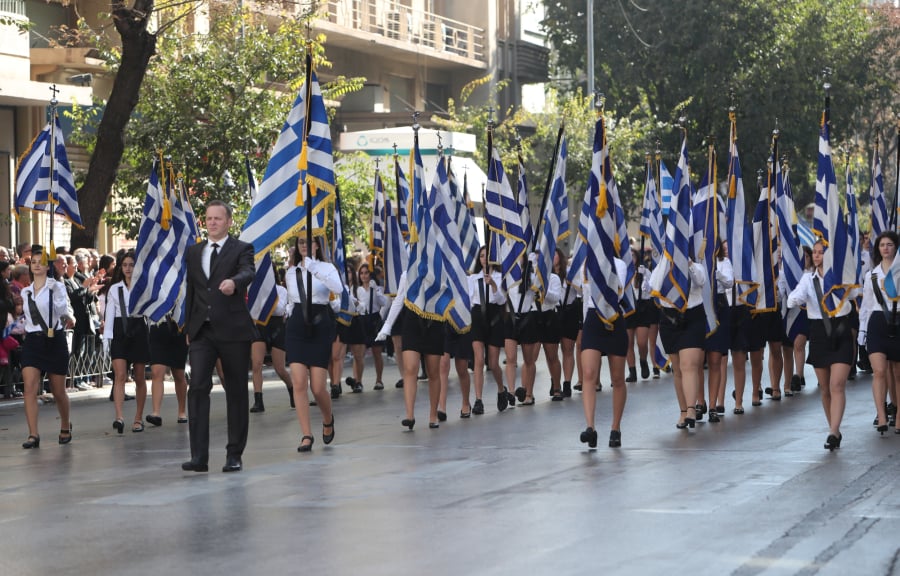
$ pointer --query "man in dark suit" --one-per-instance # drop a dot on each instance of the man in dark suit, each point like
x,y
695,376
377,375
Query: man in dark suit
x,y
219,327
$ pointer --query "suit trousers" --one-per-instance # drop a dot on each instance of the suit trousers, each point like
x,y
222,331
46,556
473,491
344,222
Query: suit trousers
x,y
235,357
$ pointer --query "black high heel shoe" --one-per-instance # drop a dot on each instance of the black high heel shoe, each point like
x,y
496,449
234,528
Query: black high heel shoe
x,y
408,422
442,416
327,438
883,428
65,436
33,441
689,422
306,447
683,424
832,442
119,425
589,437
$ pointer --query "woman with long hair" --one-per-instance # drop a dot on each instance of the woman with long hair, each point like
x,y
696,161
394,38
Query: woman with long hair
x,y
487,328
831,349
309,335
47,316
128,340
878,322
371,300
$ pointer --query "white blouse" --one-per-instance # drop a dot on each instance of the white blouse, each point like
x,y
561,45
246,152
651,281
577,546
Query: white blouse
x,y
113,309
698,281
367,299
326,279
495,295
805,294
61,309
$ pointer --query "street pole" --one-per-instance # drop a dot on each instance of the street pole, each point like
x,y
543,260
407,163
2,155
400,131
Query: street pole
x,y
590,48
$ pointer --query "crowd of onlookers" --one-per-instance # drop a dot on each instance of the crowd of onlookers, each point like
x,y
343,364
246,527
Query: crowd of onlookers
x,y
85,273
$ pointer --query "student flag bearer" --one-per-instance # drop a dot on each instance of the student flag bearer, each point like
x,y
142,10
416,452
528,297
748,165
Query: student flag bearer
x,y
677,284
743,292
646,317
44,181
826,290
604,281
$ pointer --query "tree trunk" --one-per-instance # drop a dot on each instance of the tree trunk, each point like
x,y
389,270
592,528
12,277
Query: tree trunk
x,y
138,46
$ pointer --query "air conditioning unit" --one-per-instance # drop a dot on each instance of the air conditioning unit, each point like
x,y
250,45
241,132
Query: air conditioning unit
x,y
392,25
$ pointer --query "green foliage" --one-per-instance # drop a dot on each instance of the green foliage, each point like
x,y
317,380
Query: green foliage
x,y
210,101
770,54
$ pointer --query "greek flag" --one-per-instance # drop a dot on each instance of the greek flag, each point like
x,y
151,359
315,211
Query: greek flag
x,y
738,234
437,283
876,197
262,297
705,213
402,196
829,224
522,199
504,220
301,164
853,226
667,185
791,254
347,311
555,221
468,235
620,240
765,244
598,232
651,216
376,238
41,183
805,233
159,271
676,285
395,255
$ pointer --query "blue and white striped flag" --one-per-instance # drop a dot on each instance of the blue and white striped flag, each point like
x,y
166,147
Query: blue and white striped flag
x,y
805,234
402,185
502,216
468,235
829,224
791,254
599,233
706,215
739,236
379,216
853,226
262,296
301,164
765,245
876,196
159,270
676,284
651,216
38,184
396,258
666,186
437,283
339,256
555,219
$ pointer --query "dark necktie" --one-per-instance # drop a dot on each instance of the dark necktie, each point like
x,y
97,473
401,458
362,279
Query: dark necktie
x,y
213,257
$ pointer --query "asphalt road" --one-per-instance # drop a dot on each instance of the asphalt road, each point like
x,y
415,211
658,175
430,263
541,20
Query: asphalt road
x,y
510,493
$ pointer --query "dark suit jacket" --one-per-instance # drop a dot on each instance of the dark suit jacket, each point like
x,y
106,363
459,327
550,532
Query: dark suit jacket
x,y
228,316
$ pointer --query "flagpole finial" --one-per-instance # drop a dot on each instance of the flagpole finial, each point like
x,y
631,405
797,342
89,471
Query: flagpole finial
x,y
599,101
440,145
415,117
775,131
394,146
53,100
377,163
731,100
759,178
490,122
518,141
826,73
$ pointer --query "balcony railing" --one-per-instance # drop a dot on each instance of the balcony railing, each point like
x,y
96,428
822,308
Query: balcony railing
x,y
16,7
404,24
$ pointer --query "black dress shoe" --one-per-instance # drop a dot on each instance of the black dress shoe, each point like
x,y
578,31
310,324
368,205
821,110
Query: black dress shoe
x,y
155,420
442,416
194,466
478,408
232,464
